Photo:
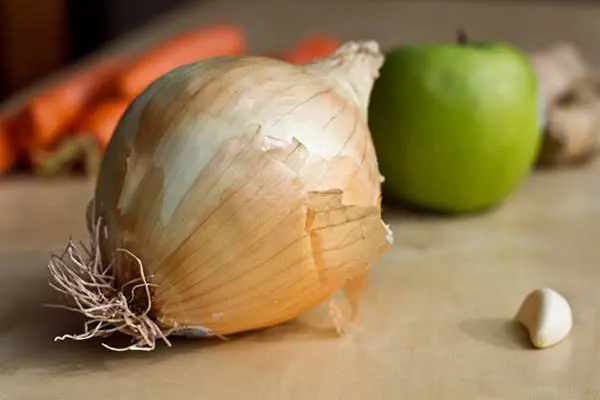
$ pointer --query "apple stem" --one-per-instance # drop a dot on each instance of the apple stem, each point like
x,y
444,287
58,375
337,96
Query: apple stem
x,y
461,37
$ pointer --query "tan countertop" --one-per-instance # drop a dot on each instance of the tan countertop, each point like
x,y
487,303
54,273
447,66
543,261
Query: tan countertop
x,y
435,320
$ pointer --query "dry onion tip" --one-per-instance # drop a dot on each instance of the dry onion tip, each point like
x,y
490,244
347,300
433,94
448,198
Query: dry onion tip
x,y
236,193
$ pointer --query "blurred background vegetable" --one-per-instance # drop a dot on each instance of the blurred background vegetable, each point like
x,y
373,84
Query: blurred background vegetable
x,y
310,49
91,100
570,89
100,119
44,118
186,47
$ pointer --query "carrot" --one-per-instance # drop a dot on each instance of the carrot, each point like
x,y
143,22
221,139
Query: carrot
x,y
311,48
45,116
101,119
8,154
186,47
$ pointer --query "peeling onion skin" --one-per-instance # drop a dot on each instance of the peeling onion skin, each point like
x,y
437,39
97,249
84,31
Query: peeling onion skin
x,y
248,187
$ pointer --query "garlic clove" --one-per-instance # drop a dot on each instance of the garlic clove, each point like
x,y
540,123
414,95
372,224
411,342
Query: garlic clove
x,y
547,316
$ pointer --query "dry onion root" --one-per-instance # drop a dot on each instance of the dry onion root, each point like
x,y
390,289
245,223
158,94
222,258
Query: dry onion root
x,y
571,97
235,194
108,309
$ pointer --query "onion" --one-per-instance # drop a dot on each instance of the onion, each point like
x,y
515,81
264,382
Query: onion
x,y
235,194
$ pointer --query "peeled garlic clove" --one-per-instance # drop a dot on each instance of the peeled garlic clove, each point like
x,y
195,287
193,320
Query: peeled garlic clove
x,y
547,316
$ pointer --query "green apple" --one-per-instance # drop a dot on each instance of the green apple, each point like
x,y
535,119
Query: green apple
x,y
455,125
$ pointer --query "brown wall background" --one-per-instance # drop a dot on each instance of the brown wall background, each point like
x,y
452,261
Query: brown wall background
x,y
33,40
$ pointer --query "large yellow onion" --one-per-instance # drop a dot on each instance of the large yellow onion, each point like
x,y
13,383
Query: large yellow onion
x,y
235,194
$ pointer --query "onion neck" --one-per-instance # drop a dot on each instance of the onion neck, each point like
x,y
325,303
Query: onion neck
x,y
352,70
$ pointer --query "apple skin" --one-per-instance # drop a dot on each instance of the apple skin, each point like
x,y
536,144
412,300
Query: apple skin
x,y
455,126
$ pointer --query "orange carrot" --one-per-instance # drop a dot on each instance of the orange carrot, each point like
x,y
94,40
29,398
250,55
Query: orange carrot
x,y
8,154
45,116
101,119
186,47
311,48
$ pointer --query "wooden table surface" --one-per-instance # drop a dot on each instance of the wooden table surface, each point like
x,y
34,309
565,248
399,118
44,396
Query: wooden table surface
x,y
436,319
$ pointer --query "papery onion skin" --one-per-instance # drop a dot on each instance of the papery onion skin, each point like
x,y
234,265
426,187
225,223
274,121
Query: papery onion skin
x,y
248,188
